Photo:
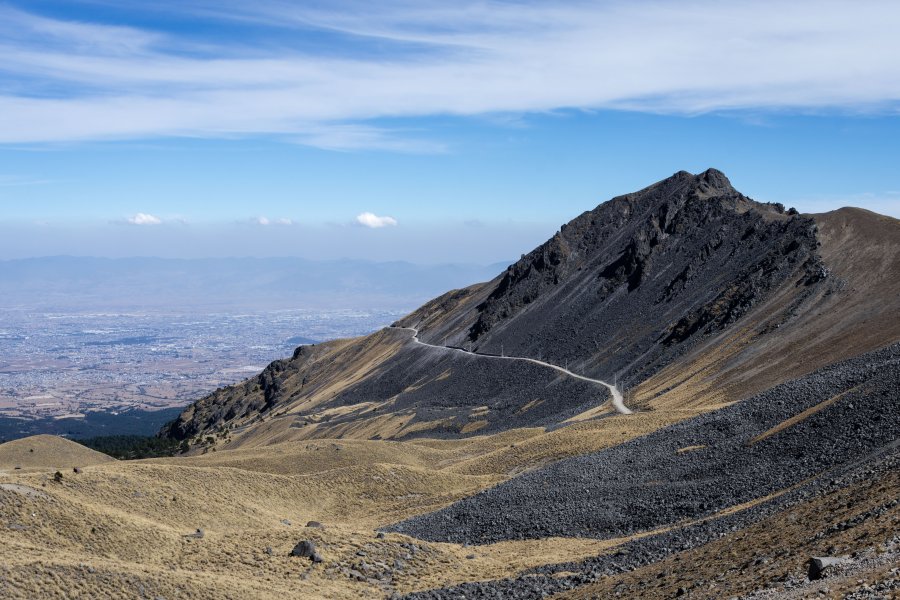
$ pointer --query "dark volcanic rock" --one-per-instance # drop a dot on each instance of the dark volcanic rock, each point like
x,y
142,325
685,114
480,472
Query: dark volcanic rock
x,y
619,293
549,579
819,565
306,549
254,397
747,451
445,386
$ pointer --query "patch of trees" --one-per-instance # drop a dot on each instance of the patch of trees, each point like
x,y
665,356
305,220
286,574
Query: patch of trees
x,y
132,447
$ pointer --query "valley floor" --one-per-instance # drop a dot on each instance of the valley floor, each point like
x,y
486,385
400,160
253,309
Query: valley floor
x,y
123,529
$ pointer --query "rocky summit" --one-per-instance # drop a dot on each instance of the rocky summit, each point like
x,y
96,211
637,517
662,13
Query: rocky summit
x,y
682,393
625,288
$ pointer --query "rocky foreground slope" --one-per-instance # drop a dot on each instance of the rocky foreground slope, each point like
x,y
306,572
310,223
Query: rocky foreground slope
x,y
694,469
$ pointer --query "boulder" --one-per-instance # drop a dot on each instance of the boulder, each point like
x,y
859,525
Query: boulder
x,y
306,549
819,565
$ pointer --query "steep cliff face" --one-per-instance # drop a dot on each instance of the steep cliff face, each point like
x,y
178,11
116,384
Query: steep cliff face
x,y
242,402
623,289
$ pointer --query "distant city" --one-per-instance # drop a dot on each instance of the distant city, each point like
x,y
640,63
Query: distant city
x,y
94,346
63,365
71,366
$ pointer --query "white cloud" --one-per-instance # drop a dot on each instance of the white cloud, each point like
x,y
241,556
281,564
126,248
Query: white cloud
x,y
474,58
351,137
144,219
267,221
374,221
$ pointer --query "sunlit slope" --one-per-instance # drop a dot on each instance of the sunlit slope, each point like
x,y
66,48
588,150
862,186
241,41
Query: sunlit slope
x,y
121,529
43,452
701,296
118,528
853,311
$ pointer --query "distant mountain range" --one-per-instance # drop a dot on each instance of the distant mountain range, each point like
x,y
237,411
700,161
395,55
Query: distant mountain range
x,y
82,283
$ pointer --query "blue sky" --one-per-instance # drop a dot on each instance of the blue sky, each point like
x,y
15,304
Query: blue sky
x,y
422,131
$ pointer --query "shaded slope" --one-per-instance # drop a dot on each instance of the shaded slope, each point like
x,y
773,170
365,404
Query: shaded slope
x,y
386,386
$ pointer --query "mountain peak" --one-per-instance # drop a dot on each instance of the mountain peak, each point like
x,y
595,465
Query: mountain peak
x,y
690,254
712,176
715,178
711,182
684,185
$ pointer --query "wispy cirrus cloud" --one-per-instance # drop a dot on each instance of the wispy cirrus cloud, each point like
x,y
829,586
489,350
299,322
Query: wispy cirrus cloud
x,y
69,80
18,181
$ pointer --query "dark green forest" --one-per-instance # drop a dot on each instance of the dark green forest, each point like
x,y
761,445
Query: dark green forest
x,y
132,447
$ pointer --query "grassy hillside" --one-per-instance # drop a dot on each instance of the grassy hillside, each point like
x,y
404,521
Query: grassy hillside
x,y
47,452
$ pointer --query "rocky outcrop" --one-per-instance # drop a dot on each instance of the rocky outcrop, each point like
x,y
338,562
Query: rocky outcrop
x,y
819,566
306,549
254,397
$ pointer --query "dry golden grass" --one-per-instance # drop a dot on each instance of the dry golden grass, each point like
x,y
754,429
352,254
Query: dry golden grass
x,y
473,426
530,448
120,527
47,452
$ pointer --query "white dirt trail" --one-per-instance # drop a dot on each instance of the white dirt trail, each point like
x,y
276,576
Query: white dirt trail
x,y
617,399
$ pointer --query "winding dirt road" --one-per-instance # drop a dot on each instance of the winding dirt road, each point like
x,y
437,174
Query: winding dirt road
x,y
617,400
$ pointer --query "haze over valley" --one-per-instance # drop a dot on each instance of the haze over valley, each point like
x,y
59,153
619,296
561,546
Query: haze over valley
x,y
98,346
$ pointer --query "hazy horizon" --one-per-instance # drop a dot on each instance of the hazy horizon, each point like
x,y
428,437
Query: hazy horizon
x,y
471,242
80,284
